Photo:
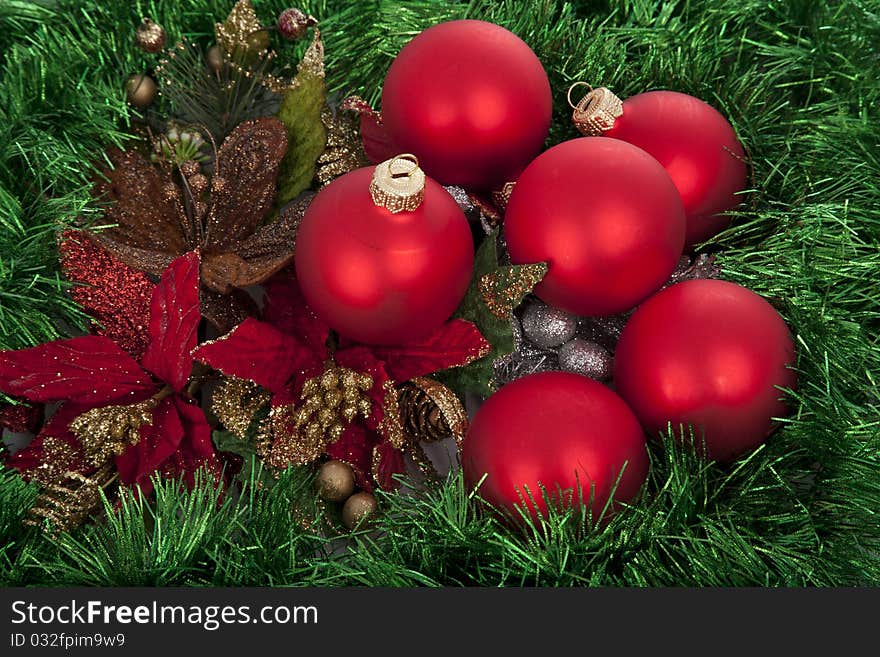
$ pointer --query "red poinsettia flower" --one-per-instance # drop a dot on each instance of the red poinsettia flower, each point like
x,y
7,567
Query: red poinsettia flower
x,y
290,347
92,371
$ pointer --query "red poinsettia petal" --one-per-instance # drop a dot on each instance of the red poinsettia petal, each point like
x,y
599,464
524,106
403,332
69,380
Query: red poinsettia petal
x,y
28,459
355,447
257,351
387,462
20,417
458,342
159,440
174,320
90,369
196,450
286,310
117,296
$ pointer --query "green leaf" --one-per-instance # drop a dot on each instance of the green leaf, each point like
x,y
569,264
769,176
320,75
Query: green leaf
x,y
511,282
300,112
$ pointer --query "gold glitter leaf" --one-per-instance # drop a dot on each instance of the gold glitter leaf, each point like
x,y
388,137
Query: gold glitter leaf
x,y
241,32
235,403
503,289
300,434
344,150
108,431
70,501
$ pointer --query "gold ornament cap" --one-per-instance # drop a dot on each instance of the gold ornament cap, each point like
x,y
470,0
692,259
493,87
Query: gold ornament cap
x,y
398,184
596,112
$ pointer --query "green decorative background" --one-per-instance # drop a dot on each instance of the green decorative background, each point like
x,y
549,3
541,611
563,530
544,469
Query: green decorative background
x,y
799,80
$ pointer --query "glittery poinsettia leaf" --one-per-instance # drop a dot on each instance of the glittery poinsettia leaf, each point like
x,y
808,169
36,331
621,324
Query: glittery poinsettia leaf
x,y
387,462
286,310
355,447
300,112
37,460
114,294
455,344
476,377
248,164
174,321
90,369
177,442
149,230
258,352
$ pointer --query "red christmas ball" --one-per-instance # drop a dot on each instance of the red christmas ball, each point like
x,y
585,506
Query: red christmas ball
x,y
711,354
697,147
471,100
554,429
607,219
377,276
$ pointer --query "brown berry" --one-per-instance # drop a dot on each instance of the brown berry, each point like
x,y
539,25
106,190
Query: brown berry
x,y
358,509
141,90
335,481
150,36
214,59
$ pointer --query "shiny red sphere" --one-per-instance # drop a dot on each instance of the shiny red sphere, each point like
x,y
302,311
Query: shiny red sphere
x,y
378,277
697,147
605,216
554,429
471,100
710,354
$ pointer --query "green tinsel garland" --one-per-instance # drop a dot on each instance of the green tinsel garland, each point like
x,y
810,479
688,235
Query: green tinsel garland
x,y
800,81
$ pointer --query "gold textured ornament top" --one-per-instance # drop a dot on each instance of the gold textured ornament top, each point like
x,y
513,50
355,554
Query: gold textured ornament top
x,y
596,112
398,184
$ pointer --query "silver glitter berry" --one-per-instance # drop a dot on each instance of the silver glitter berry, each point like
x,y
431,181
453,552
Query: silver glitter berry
x,y
546,326
587,358
461,197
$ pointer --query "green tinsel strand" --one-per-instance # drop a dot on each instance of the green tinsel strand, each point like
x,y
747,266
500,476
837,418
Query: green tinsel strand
x,y
800,83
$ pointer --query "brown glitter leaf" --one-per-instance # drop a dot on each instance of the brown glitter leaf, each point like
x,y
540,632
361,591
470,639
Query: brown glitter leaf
x,y
225,311
503,289
148,219
248,164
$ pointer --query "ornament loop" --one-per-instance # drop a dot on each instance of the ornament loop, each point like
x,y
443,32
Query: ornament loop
x,y
596,112
398,184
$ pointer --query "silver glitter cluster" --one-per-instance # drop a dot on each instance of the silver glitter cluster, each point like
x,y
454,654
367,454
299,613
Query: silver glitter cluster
x,y
587,358
546,326
547,339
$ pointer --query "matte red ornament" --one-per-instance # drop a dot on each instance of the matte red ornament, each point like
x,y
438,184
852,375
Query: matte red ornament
x,y
708,353
471,100
606,218
383,277
697,147
554,429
